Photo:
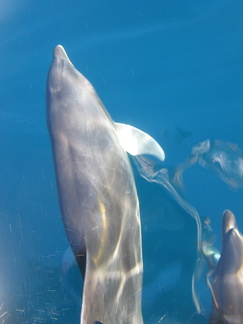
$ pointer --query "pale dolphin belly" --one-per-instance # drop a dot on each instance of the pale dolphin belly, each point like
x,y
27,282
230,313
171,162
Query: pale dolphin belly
x,y
97,196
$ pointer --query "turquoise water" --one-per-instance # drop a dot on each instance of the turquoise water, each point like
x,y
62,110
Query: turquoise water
x,y
170,68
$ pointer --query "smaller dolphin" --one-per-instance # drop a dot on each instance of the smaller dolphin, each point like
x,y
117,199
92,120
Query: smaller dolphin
x,y
227,279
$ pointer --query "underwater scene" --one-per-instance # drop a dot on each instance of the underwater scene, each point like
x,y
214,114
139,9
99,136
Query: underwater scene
x,y
121,162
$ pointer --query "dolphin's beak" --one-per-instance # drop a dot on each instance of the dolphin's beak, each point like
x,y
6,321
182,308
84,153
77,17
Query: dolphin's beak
x,y
229,222
60,52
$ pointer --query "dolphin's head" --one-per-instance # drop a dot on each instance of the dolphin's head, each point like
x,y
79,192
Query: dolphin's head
x,y
63,76
231,260
227,283
71,99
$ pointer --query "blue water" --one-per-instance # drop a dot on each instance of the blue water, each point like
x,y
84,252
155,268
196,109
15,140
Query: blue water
x,y
171,68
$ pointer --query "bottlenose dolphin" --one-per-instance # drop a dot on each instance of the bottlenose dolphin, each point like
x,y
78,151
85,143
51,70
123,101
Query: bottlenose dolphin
x,y
97,193
227,279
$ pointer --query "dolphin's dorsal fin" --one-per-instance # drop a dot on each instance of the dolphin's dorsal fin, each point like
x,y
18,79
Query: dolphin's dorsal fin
x,y
136,142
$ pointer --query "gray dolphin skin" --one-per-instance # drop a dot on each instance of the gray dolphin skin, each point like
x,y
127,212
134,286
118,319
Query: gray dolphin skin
x,y
227,283
97,194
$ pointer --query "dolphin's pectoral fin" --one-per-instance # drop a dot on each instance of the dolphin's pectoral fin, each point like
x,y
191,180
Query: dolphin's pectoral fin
x,y
137,142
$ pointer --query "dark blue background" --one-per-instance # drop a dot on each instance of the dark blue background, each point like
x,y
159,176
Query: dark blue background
x,y
157,65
